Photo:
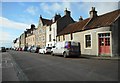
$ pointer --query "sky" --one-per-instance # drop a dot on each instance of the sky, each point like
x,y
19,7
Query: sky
x,y
17,16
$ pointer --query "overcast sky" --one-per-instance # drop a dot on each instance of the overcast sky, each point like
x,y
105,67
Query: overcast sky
x,y
17,16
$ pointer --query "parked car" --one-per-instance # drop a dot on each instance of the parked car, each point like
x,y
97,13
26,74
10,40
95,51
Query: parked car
x,y
29,48
45,50
2,49
66,48
35,49
24,48
20,49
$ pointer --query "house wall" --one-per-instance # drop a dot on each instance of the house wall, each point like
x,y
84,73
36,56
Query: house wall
x,y
17,44
30,40
62,23
22,40
80,37
53,35
40,36
116,38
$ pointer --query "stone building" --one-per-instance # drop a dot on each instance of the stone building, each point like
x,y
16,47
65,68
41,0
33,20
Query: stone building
x,y
98,35
30,36
40,32
23,39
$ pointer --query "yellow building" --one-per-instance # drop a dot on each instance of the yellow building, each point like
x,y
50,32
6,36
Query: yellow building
x,y
30,40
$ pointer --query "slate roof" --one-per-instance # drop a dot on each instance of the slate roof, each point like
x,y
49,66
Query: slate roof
x,y
46,21
90,23
74,27
104,20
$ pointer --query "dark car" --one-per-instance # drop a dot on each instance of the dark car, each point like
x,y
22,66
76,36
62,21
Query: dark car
x,y
35,49
2,49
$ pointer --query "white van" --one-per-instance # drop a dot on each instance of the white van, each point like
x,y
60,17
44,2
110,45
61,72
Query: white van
x,y
66,48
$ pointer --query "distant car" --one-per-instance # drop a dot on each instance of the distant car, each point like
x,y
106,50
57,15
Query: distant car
x,y
35,49
24,48
45,50
20,49
29,48
2,49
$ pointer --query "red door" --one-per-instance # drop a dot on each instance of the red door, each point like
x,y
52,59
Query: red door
x,y
104,43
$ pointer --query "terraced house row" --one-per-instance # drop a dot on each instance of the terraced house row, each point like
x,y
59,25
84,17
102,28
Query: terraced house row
x,y
98,35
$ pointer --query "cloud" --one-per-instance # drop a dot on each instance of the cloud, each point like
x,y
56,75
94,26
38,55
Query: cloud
x,y
55,7
6,23
32,10
5,36
59,0
83,8
105,7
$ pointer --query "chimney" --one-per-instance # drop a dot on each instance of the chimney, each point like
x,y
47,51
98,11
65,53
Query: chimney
x,y
56,17
40,16
93,13
80,19
32,26
66,12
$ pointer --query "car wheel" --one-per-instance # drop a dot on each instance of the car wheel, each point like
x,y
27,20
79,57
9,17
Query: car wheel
x,y
65,55
43,52
52,54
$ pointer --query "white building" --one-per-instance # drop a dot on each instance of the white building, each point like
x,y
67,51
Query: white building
x,y
16,43
58,24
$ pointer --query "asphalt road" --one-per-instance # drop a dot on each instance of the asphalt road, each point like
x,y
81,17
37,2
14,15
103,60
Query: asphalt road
x,y
39,67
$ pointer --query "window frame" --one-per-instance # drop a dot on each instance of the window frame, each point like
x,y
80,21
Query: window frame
x,y
71,36
50,38
86,42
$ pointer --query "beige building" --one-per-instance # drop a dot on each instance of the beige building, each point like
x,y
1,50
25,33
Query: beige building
x,y
98,35
40,32
30,37
23,39
30,40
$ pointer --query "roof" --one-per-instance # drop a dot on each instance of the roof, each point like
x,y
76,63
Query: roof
x,y
46,21
74,27
90,23
103,20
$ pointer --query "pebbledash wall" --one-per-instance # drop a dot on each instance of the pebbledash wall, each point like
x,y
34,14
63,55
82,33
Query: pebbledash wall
x,y
94,49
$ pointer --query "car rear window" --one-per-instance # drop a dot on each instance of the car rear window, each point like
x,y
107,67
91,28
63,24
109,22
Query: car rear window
x,y
49,47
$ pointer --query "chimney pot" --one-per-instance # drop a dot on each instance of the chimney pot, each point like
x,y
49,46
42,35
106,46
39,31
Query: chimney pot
x,y
80,18
93,13
66,12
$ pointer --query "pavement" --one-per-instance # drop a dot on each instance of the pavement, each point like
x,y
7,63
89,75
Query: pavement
x,y
101,57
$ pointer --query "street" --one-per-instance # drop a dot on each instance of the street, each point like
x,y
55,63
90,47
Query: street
x,y
44,67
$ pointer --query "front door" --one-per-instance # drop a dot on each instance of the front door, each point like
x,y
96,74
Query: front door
x,y
104,43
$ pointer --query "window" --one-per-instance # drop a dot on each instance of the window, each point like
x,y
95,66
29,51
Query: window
x,y
50,28
50,37
59,38
71,36
63,37
87,41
